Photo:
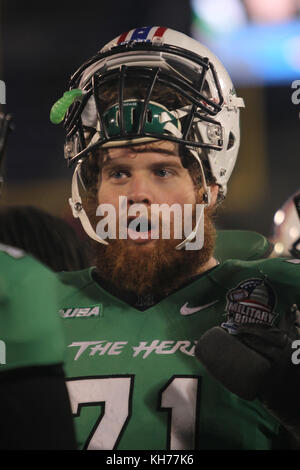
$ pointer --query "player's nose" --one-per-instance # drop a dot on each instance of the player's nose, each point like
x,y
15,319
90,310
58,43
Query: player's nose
x,y
140,191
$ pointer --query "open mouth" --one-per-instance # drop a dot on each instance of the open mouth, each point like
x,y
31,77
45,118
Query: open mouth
x,y
141,228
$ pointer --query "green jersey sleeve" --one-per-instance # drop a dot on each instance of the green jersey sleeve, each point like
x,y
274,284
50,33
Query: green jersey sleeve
x,y
30,328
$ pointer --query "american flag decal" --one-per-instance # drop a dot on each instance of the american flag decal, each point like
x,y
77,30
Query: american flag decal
x,y
146,33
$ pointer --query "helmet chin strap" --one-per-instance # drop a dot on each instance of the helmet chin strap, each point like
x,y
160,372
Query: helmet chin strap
x,y
206,200
207,194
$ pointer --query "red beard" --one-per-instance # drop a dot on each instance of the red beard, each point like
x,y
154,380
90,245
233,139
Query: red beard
x,y
159,269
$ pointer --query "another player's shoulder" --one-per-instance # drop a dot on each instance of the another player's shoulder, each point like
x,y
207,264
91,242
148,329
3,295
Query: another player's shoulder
x,y
30,325
280,270
11,256
11,251
17,267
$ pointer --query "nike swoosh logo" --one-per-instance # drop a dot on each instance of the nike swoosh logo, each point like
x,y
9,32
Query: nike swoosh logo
x,y
189,311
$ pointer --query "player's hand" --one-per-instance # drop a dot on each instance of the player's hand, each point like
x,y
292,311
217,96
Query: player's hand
x,y
256,362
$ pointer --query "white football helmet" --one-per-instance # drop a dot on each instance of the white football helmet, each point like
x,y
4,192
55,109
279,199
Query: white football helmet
x,y
207,125
286,228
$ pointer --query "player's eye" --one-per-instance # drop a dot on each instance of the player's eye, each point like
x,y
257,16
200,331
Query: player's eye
x,y
118,174
163,172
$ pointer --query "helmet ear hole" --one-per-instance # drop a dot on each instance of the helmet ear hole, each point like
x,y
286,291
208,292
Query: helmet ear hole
x,y
133,115
231,141
106,120
149,116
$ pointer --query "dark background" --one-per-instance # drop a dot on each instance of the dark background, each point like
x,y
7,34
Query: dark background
x,y
42,43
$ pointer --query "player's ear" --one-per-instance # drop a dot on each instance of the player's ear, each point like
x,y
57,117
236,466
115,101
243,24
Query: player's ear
x,y
214,191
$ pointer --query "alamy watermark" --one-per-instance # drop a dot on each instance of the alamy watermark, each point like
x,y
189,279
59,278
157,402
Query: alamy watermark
x,y
2,352
296,354
136,222
296,94
2,92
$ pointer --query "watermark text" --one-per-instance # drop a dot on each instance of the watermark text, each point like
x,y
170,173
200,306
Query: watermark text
x,y
142,222
2,92
2,352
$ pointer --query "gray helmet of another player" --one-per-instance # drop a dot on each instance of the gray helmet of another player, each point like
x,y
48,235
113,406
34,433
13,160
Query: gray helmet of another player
x,y
286,228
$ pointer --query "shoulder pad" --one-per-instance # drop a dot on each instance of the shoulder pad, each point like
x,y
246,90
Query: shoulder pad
x,y
242,245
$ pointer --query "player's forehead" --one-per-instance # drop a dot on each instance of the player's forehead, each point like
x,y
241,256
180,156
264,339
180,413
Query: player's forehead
x,y
158,150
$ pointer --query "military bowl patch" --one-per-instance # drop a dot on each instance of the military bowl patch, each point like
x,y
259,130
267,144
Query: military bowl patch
x,y
251,302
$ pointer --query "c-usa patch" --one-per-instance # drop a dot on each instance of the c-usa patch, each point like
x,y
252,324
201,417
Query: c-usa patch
x,y
80,312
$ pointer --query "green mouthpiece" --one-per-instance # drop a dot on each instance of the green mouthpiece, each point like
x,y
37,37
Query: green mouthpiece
x,y
59,109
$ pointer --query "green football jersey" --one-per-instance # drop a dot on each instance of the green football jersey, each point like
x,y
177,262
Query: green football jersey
x,y
132,377
31,331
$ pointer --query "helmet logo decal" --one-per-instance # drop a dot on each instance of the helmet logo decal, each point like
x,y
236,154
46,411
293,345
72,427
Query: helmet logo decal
x,y
156,118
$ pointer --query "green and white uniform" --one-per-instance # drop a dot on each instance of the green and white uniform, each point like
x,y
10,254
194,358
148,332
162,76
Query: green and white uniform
x,y
133,379
30,330
34,404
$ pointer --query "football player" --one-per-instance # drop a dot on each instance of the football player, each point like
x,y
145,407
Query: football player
x,y
153,119
34,406
286,228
